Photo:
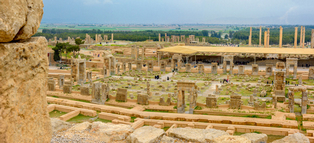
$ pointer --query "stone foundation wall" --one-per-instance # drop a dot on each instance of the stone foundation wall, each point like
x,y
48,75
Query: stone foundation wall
x,y
23,86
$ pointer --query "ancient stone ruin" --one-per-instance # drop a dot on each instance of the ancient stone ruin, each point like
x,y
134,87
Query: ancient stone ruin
x,y
23,74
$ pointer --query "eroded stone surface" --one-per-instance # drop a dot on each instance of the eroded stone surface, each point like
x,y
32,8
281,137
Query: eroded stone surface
x,y
195,135
58,125
294,138
256,138
23,86
112,132
146,134
231,139
19,19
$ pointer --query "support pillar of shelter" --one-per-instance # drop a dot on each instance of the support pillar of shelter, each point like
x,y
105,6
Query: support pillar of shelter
x,y
303,40
268,36
250,37
280,38
295,37
260,35
265,39
301,37
312,39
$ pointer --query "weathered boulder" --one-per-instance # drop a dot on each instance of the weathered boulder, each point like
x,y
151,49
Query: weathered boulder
x,y
80,127
294,138
195,135
231,139
166,139
23,85
146,134
58,125
256,138
19,19
111,132
211,134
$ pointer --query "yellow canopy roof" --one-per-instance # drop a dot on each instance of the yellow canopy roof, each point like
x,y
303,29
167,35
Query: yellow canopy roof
x,y
251,50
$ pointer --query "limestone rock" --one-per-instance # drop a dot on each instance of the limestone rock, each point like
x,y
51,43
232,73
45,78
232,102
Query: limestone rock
x,y
294,138
19,19
58,125
256,138
166,139
146,134
23,85
111,132
80,127
231,139
211,134
195,135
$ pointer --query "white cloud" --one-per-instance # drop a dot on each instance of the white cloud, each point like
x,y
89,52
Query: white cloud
x,y
285,16
93,2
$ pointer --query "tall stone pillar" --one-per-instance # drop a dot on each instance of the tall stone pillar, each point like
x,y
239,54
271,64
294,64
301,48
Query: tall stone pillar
x,y
303,40
265,39
280,38
159,37
295,37
312,39
250,37
143,53
260,35
301,36
268,35
96,38
111,37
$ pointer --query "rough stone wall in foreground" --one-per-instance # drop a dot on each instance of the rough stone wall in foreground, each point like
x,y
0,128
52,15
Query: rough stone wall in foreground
x,y
23,85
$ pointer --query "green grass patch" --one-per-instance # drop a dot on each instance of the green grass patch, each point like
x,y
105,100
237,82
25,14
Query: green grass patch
x,y
132,119
79,119
56,114
103,120
165,128
147,110
80,100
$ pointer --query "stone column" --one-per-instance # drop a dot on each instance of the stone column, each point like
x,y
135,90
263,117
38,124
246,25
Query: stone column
x,y
301,36
143,53
96,38
159,37
111,37
295,37
280,38
260,36
265,39
268,35
303,40
312,39
250,37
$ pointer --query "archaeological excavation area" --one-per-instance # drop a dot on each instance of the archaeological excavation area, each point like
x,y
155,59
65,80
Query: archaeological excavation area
x,y
174,89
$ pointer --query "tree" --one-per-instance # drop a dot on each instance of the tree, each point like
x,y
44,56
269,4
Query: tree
x,y
205,33
226,36
56,56
78,42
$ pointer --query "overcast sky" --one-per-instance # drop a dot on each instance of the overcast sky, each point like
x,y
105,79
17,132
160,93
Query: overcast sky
x,y
179,11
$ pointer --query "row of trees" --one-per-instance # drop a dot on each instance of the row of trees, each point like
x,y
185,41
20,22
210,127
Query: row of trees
x,y
67,48
118,35
234,37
